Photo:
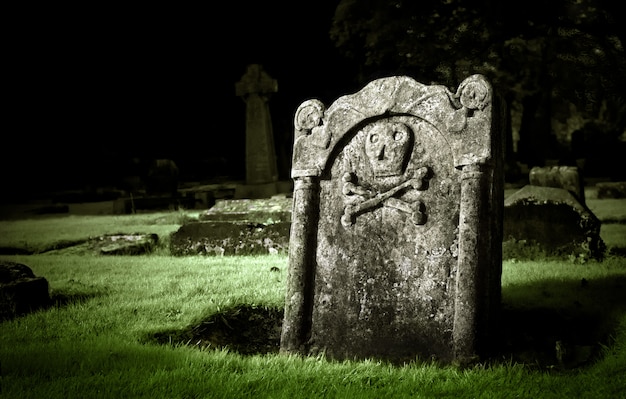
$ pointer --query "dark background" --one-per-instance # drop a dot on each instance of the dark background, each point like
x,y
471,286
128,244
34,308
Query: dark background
x,y
100,91
97,92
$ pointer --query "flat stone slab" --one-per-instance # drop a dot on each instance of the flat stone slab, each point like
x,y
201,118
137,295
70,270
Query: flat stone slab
x,y
219,238
124,244
269,210
111,244
548,221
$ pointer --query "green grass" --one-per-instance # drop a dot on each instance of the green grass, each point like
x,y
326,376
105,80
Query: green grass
x,y
97,341
608,210
42,234
93,343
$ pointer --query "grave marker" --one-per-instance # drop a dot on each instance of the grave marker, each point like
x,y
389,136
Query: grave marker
x,y
395,243
565,177
255,88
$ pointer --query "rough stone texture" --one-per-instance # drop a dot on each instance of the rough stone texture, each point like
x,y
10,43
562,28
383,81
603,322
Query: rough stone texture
x,y
230,238
20,290
237,227
255,88
124,244
396,223
269,210
611,189
566,177
548,221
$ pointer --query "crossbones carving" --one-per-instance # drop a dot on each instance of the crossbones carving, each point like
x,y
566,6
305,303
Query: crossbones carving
x,y
362,199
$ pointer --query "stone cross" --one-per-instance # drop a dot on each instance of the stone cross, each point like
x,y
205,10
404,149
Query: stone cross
x,y
256,87
395,247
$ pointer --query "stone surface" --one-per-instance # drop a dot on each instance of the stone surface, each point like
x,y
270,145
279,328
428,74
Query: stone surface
x,y
566,177
548,221
268,210
107,244
395,239
20,290
124,244
219,238
255,88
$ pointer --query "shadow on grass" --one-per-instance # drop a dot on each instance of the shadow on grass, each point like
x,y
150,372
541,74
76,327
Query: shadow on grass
x,y
618,251
57,300
564,336
61,299
579,319
245,329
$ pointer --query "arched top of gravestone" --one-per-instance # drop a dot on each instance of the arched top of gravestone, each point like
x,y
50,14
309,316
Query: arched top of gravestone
x,y
463,118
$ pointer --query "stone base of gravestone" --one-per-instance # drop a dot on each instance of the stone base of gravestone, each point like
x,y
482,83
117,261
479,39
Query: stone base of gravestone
x,y
549,222
219,238
20,290
611,189
567,177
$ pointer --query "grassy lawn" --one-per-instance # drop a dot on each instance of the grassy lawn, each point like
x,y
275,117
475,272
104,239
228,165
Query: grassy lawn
x,y
98,340
157,326
42,234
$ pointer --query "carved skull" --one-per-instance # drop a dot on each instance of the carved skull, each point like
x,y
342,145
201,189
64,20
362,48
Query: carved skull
x,y
387,147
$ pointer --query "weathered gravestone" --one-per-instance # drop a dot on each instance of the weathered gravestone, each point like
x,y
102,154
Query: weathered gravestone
x,y
565,177
255,88
395,242
20,290
237,227
550,222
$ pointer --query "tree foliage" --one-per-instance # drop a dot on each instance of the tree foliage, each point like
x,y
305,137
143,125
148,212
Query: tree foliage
x,y
570,50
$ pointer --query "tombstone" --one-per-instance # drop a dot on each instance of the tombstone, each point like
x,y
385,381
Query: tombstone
x,y
550,222
226,238
395,241
565,177
255,88
20,290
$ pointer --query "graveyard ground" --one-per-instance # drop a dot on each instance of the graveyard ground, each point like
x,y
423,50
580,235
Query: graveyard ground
x,y
127,325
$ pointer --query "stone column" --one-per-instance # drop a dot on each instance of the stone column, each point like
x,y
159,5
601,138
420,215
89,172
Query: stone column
x,y
473,259
298,305
255,88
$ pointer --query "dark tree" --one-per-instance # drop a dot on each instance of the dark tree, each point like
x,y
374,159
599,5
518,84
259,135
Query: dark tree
x,y
540,55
